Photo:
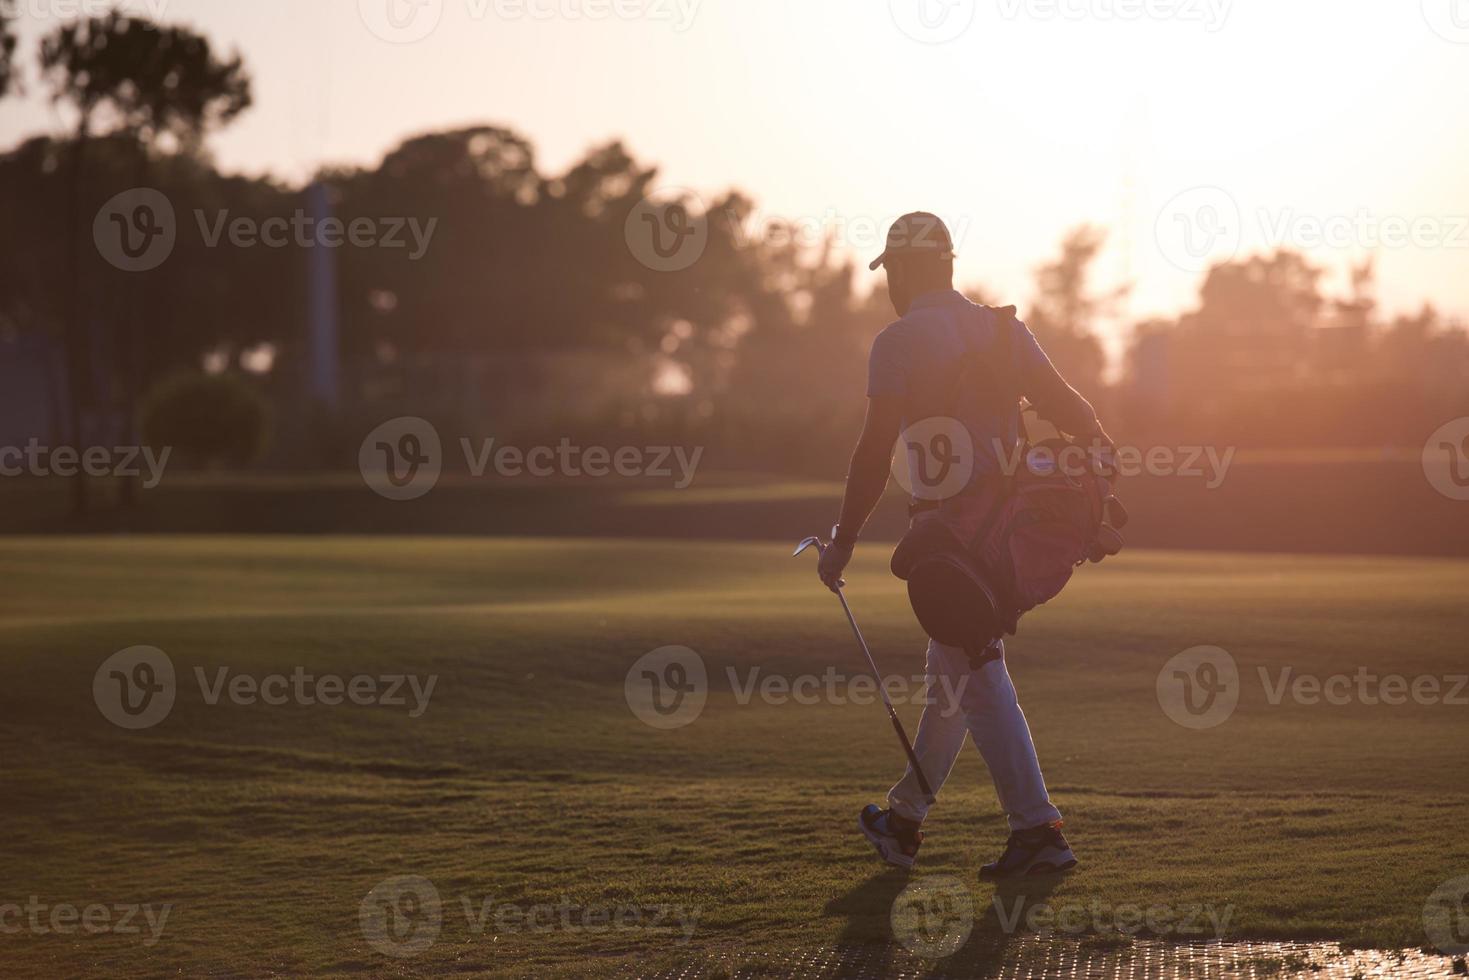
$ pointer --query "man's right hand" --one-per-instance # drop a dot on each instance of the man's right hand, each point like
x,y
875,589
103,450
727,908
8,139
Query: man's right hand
x,y
833,562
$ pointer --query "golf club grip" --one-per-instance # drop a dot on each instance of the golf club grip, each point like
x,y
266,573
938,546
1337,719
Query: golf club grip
x,y
912,757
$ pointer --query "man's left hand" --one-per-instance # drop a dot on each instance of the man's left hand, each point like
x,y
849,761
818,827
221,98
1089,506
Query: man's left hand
x,y
833,560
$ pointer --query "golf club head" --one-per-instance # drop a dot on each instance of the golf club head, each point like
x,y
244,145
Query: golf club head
x,y
807,543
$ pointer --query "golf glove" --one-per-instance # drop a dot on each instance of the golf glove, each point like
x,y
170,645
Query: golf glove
x,y
833,560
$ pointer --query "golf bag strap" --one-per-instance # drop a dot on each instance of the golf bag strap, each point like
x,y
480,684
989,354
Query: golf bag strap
x,y
1002,368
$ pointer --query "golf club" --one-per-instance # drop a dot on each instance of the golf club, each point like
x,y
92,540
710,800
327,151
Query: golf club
x,y
881,688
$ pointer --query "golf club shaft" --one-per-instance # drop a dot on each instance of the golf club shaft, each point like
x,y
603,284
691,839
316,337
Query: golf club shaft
x,y
887,702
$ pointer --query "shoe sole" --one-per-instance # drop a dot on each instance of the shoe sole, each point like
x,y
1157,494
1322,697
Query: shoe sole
x,y
896,858
1043,863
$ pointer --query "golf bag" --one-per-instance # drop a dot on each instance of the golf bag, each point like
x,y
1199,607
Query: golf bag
x,y
978,560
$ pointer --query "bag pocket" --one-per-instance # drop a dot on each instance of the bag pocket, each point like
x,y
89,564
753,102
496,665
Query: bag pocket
x,y
1043,555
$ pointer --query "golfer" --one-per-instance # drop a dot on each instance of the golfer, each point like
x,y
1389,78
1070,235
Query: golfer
x,y
913,361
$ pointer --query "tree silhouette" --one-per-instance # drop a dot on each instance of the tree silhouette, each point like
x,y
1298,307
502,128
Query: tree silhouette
x,y
160,85
131,75
1063,315
531,312
7,50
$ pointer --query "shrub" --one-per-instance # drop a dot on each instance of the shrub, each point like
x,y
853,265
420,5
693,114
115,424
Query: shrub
x,y
206,418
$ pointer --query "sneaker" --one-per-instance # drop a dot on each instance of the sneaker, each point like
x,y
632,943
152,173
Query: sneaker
x,y
1035,851
896,839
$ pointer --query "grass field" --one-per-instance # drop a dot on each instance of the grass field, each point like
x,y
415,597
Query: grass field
x,y
527,781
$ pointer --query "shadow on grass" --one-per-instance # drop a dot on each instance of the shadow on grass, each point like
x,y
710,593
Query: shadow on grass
x,y
868,908
997,926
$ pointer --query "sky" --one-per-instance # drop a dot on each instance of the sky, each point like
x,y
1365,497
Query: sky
x,y
1191,130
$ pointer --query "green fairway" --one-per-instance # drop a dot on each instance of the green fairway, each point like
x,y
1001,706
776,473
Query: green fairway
x,y
527,781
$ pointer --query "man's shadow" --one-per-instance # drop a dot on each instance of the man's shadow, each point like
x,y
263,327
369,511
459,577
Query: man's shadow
x,y
999,913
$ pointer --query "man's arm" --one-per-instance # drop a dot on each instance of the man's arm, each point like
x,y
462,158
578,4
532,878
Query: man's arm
x,y
867,478
1055,400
